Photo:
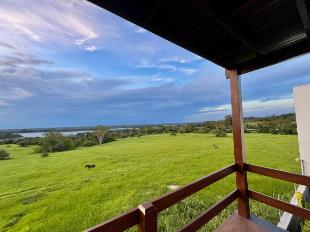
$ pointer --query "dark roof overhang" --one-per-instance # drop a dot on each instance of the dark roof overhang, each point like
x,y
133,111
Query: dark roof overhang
x,y
241,34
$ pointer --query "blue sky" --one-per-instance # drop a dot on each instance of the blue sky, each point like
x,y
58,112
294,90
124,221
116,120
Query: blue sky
x,y
70,63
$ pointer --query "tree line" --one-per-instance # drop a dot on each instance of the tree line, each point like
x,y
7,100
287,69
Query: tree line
x,y
55,141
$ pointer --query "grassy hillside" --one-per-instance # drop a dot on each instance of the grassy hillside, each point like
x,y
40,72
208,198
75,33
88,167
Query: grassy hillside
x,y
57,194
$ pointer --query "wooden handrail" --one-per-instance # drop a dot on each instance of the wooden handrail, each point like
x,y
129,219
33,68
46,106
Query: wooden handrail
x,y
204,218
282,175
300,212
148,218
132,218
174,197
119,223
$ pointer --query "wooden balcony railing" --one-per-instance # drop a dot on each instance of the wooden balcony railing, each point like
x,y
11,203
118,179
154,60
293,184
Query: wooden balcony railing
x,y
145,216
281,175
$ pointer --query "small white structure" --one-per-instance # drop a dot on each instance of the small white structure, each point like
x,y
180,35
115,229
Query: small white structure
x,y
302,110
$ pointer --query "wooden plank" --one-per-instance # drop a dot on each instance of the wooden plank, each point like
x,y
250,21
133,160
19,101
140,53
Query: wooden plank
x,y
282,175
300,212
119,223
172,198
238,137
204,218
236,223
148,218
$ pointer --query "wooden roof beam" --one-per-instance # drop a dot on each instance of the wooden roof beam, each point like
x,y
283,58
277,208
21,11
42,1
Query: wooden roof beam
x,y
225,23
275,57
154,11
304,15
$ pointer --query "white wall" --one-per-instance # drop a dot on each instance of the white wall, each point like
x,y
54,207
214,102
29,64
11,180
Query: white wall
x,y
302,109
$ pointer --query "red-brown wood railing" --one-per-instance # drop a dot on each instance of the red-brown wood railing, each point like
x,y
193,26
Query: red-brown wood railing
x,y
281,175
145,216
141,216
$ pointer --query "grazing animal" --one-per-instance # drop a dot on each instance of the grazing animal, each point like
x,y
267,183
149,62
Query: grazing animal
x,y
215,146
90,166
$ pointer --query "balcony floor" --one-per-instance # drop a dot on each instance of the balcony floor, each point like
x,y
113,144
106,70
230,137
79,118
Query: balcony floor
x,y
253,224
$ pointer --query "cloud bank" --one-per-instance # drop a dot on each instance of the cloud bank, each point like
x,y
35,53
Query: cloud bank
x,y
68,63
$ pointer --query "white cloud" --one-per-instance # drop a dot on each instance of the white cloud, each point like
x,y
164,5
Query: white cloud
x,y
170,67
187,71
140,30
255,105
176,59
91,48
250,108
16,93
4,103
52,22
180,59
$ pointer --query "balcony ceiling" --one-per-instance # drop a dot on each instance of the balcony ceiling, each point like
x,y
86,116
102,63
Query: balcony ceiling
x,y
240,34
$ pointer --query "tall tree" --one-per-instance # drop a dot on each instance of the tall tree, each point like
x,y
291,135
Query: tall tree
x,y
100,133
228,120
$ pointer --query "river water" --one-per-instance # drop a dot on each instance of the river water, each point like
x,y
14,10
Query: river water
x,y
41,134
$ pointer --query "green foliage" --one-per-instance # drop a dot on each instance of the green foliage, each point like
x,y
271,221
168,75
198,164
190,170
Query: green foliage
x,y
4,154
24,142
282,124
203,130
228,120
56,192
85,139
220,132
101,132
8,135
55,142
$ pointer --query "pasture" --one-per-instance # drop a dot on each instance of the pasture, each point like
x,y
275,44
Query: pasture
x,y
57,193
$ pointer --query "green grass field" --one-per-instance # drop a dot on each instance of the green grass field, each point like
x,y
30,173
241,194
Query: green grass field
x,y
57,194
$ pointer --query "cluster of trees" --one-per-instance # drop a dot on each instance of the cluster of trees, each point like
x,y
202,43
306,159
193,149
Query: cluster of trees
x,y
56,141
9,135
281,124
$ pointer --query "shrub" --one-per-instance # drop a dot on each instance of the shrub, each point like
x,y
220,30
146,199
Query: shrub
x,y
220,133
8,135
203,130
4,154
54,142
23,143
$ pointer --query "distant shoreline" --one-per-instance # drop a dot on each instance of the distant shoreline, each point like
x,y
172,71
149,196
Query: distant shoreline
x,y
41,133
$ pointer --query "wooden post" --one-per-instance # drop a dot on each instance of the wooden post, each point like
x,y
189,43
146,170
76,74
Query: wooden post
x,y
148,218
239,150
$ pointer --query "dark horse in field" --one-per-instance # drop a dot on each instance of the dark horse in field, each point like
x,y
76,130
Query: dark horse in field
x,y
90,166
